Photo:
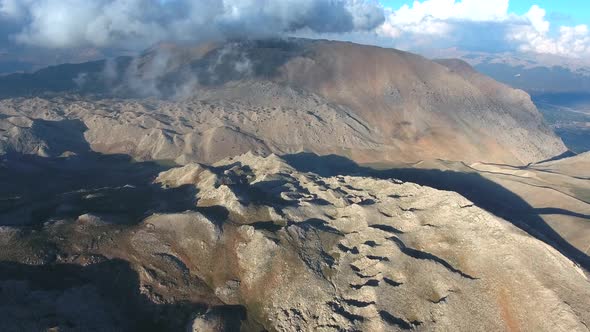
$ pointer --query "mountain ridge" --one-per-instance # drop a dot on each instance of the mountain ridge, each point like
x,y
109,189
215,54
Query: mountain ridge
x,y
403,106
295,250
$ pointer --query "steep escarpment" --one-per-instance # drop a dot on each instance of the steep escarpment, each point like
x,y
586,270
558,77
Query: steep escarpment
x,y
214,101
298,251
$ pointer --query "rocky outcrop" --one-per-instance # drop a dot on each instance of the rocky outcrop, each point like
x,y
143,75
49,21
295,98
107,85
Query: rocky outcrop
x,y
304,252
284,250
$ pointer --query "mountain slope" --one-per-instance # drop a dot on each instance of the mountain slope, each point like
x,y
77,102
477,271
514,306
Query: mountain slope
x,y
424,109
299,251
560,88
367,103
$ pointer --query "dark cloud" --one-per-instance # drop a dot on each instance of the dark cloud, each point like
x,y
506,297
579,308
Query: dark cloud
x,y
135,24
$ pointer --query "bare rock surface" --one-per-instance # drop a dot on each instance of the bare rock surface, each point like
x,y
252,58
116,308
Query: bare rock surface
x,y
240,238
549,200
269,247
352,253
366,103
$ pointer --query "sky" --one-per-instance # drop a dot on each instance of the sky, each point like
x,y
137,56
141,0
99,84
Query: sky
x,y
567,11
554,27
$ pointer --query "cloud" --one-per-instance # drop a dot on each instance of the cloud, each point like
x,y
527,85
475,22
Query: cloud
x,y
482,25
139,23
131,25
438,17
13,8
571,41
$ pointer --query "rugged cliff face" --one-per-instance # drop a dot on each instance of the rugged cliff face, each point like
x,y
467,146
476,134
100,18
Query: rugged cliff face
x,y
287,250
214,101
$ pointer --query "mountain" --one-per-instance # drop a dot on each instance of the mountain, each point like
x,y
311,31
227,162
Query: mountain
x,y
269,247
285,185
560,88
533,72
23,59
282,96
539,79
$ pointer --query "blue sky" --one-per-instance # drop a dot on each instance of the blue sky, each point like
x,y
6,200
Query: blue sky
x,y
562,12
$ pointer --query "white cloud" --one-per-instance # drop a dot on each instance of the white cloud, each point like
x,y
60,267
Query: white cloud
x,y
535,37
436,17
458,23
536,16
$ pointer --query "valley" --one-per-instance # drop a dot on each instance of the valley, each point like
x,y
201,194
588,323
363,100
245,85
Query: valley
x,y
569,116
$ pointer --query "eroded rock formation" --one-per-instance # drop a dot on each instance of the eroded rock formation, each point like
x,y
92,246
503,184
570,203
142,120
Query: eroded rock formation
x,y
299,251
